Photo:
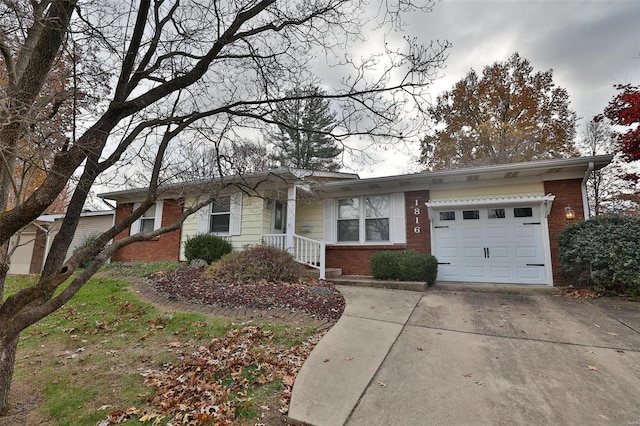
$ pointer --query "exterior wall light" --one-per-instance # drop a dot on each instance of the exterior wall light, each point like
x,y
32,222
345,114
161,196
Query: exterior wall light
x,y
569,213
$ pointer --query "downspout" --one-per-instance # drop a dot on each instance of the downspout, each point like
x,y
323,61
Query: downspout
x,y
585,200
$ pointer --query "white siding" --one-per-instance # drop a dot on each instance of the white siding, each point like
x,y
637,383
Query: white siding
x,y
483,192
87,226
253,223
310,214
189,228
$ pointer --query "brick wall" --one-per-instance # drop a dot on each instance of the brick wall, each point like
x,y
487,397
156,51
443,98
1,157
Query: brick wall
x,y
417,220
164,247
568,194
355,260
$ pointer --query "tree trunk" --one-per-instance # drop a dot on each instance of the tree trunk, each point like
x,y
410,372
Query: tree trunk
x,y
7,358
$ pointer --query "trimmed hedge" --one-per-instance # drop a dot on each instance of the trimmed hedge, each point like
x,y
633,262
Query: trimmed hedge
x,y
603,252
404,266
261,262
206,247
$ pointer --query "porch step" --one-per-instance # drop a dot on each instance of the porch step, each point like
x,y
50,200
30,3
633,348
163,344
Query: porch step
x,y
366,281
329,273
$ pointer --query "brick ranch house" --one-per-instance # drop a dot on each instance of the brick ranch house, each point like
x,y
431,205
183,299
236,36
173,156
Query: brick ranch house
x,y
489,224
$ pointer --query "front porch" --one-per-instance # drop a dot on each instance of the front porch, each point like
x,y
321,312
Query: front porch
x,y
307,251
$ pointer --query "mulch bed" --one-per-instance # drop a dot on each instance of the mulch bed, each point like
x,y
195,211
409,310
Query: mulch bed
x,y
318,299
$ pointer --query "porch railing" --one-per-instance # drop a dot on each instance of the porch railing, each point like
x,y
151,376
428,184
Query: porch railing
x,y
305,250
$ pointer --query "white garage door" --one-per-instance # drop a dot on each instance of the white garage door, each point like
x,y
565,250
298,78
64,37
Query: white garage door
x,y
490,244
21,259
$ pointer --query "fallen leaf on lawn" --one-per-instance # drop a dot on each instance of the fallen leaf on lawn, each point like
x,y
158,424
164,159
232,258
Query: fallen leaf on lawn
x,y
593,368
383,384
104,407
174,345
348,358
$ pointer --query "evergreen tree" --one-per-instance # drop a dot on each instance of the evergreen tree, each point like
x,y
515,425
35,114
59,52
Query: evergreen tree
x,y
303,137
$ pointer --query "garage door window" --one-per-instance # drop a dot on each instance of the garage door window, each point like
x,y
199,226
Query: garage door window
x,y
496,213
523,212
447,215
470,214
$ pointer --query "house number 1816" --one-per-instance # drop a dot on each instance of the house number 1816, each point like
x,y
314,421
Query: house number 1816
x,y
416,212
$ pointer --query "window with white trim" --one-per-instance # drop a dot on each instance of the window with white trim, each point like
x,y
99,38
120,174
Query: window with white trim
x,y
150,220
364,219
220,215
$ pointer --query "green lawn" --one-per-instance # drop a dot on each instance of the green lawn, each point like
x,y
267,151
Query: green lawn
x,y
86,360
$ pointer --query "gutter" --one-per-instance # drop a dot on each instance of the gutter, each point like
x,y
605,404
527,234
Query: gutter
x,y
583,186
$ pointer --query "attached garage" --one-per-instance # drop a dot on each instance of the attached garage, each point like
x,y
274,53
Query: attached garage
x,y
486,224
493,240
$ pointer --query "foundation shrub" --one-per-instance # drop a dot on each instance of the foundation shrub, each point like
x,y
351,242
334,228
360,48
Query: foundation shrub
x,y
602,252
257,263
206,247
404,266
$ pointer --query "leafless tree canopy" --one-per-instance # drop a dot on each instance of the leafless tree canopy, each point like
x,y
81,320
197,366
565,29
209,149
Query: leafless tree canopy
x,y
153,75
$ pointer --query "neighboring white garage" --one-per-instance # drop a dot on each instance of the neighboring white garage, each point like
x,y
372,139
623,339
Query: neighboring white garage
x,y
35,239
492,240
21,258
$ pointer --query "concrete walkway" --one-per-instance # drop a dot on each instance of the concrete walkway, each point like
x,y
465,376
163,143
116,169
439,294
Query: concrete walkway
x,y
465,357
341,366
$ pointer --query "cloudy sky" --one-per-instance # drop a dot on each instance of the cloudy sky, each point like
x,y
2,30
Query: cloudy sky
x,y
590,45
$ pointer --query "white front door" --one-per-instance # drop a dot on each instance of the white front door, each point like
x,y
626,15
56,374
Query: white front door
x,y
490,244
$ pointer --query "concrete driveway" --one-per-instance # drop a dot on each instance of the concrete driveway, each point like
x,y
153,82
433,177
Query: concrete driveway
x,y
467,358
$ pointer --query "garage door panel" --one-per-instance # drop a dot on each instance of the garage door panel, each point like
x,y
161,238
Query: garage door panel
x,y
473,252
527,252
472,233
526,231
477,272
500,272
533,273
446,234
448,252
498,233
500,249
449,272
499,252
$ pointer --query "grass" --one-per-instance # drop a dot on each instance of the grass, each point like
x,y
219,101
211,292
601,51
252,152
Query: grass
x,y
86,359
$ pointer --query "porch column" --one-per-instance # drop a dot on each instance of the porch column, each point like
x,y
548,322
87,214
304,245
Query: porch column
x,y
291,218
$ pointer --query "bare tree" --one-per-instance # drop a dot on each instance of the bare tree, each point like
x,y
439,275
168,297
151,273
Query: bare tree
x,y
171,68
611,189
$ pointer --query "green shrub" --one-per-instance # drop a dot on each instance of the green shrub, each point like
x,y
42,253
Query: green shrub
x,y
206,247
257,263
404,266
603,252
86,242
